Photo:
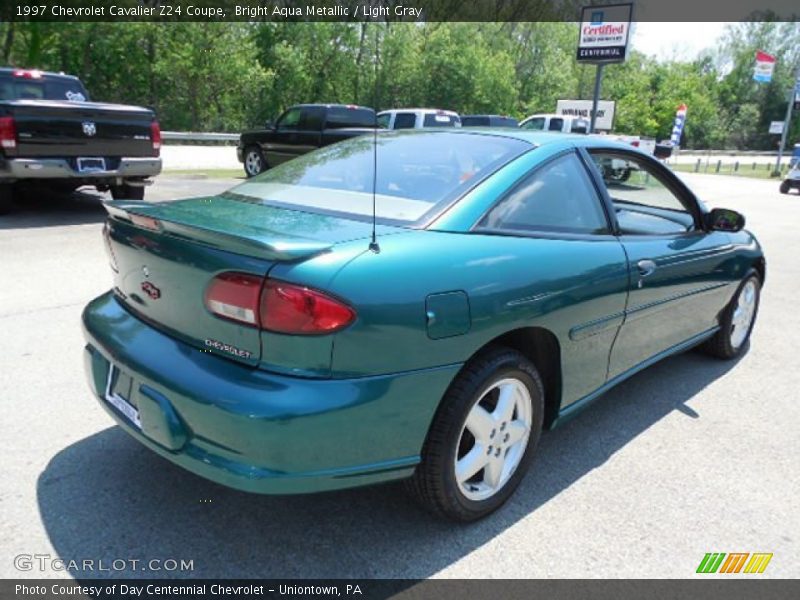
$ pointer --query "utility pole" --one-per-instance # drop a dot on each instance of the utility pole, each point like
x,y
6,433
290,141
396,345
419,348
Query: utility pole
x,y
598,78
787,122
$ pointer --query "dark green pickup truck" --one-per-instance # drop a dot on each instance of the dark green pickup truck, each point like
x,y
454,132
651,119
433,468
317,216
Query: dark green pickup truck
x,y
301,129
53,137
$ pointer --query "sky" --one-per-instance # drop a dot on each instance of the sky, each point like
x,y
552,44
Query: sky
x,y
675,40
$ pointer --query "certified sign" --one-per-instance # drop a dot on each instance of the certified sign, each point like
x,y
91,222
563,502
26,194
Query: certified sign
x,y
605,32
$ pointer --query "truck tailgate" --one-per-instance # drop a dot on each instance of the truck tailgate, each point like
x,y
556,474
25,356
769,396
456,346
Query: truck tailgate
x,y
50,128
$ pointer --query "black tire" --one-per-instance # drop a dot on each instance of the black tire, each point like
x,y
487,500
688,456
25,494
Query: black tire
x,y
254,161
434,483
785,187
127,192
721,344
6,197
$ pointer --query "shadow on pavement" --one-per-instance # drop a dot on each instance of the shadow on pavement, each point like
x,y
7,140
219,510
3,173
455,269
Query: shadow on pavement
x,y
50,209
106,497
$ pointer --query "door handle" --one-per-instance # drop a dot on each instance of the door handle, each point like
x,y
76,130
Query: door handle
x,y
646,267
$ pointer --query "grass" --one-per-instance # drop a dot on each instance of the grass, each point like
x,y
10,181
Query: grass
x,y
762,171
206,173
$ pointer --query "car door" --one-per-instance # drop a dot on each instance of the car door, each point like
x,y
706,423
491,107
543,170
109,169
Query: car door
x,y
280,145
676,267
569,274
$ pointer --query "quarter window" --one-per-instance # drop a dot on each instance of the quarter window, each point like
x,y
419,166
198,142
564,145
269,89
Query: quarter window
x,y
557,197
405,120
556,124
643,203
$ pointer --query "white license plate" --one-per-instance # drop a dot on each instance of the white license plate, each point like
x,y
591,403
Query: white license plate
x,y
91,165
118,401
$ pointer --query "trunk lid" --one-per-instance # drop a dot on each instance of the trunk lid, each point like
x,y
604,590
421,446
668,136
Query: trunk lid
x,y
47,128
166,255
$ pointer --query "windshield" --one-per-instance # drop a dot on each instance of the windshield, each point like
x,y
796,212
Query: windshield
x,y
47,88
416,171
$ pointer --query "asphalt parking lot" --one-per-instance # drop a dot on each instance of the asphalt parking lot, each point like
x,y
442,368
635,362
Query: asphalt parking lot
x,y
690,456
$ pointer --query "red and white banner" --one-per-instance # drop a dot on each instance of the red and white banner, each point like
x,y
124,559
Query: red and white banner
x,y
765,65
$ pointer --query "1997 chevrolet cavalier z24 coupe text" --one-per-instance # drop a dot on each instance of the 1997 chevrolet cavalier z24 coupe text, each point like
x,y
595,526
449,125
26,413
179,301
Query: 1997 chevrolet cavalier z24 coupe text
x,y
256,339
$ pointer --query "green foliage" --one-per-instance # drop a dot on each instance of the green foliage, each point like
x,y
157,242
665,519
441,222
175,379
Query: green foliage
x,y
232,76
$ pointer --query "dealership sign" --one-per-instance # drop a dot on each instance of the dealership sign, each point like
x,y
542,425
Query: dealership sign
x,y
604,33
583,108
765,65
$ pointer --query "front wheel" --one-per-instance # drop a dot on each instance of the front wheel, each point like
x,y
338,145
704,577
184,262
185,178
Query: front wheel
x,y
254,162
737,320
127,192
785,187
483,437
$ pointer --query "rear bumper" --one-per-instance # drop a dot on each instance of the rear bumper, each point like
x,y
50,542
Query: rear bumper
x,y
60,168
257,431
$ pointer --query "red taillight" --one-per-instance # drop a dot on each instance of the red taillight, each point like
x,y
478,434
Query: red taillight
x,y
235,296
155,137
289,308
635,143
8,133
276,305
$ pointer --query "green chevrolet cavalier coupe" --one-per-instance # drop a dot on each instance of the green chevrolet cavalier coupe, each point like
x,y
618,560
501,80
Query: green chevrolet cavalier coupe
x,y
277,339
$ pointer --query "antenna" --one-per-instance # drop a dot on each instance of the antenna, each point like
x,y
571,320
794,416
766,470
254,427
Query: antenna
x,y
373,245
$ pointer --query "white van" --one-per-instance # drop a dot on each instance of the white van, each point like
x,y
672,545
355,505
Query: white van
x,y
554,122
417,118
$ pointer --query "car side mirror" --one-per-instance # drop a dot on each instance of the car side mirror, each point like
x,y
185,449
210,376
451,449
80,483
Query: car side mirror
x,y
268,124
724,219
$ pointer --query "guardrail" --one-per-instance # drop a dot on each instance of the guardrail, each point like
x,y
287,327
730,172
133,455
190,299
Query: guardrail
x,y
200,138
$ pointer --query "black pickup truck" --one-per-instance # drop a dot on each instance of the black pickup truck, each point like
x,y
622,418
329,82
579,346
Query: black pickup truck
x,y
52,135
302,128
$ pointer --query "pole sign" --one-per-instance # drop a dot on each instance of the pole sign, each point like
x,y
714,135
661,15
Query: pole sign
x,y
677,128
604,33
583,108
776,127
765,65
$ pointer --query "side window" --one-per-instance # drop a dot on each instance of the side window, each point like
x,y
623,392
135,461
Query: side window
x,y
311,118
643,203
383,121
290,119
405,120
556,124
556,197
536,124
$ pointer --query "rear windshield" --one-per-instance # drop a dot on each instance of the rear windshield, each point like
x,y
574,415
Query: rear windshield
x,y
340,117
46,88
474,121
440,120
415,172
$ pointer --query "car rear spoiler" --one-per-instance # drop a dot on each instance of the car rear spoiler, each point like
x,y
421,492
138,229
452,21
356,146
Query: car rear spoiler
x,y
249,240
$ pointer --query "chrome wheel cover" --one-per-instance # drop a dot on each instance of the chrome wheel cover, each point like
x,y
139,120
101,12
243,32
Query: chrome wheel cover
x,y
493,439
743,314
253,162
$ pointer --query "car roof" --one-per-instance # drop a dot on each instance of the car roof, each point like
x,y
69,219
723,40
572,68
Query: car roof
x,y
422,110
534,138
12,70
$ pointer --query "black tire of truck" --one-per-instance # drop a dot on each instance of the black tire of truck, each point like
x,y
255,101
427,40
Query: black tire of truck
x,y
785,187
127,192
6,197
